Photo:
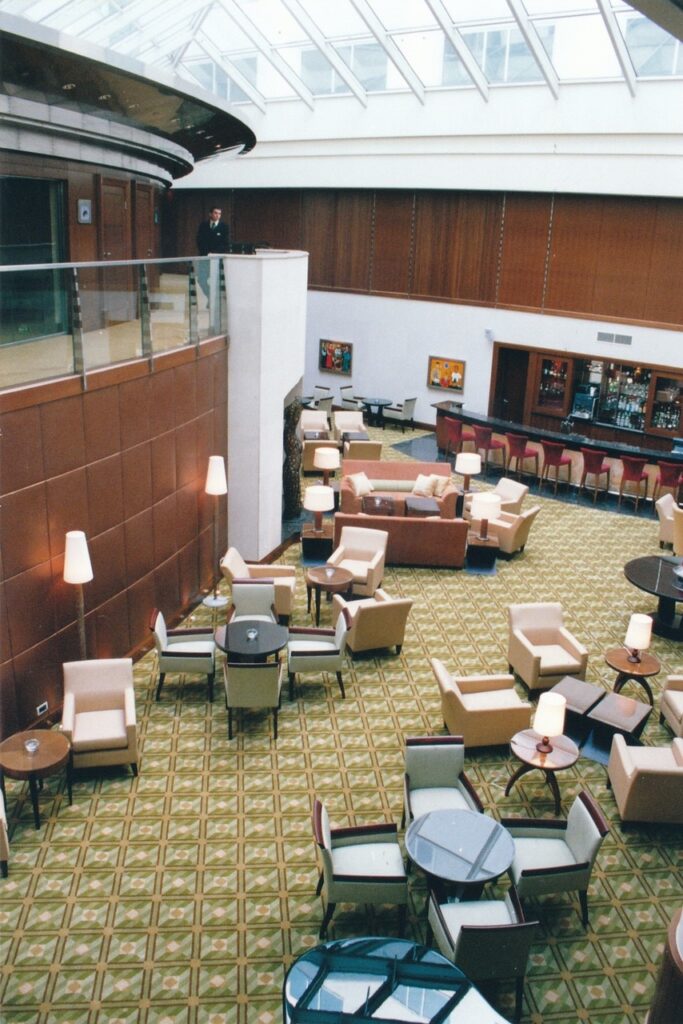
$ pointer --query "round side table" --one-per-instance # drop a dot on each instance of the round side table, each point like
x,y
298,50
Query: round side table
x,y
329,579
638,671
53,752
563,755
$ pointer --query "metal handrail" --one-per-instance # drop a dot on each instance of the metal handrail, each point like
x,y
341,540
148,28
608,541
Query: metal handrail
x,y
103,263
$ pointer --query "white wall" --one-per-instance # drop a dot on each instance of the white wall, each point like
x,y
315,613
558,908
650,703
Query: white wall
x,y
393,338
267,328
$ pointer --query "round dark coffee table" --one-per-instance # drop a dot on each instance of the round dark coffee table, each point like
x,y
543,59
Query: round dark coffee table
x,y
330,579
564,754
233,639
54,751
655,575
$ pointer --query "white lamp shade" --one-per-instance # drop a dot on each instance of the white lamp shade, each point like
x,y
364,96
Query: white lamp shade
x,y
485,506
326,458
468,463
319,498
639,632
216,481
77,567
549,717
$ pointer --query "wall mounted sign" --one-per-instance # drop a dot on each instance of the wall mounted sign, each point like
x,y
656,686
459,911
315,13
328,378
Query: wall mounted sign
x,y
85,211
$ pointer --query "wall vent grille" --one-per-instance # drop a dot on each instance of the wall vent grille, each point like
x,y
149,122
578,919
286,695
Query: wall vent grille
x,y
615,339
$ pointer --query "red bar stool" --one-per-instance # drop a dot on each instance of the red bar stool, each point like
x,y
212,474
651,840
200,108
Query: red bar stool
x,y
485,442
518,451
669,477
633,473
593,465
456,436
554,458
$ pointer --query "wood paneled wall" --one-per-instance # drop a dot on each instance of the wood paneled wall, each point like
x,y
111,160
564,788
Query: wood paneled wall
x,y
125,462
606,257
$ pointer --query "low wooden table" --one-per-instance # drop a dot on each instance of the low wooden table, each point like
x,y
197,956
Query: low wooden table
x,y
331,580
53,753
612,714
317,544
481,553
374,505
581,698
638,671
421,507
564,754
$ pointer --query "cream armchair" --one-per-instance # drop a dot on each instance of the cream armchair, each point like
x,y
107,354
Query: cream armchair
x,y
98,717
485,709
363,450
540,649
512,531
435,778
311,420
4,841
283,577
317,650
347,422
375,622
252,599
253,685
191,651
671,704
664,507
511,494
362,552
647,782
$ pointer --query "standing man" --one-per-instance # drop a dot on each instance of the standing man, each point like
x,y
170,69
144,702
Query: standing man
x,y
213,236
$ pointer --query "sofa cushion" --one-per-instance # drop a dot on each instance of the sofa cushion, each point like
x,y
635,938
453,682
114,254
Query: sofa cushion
x,y
440,484
423,486
360,484
95,730
392,485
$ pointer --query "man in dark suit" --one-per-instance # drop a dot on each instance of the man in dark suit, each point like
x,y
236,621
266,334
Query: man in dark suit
x,y
213,235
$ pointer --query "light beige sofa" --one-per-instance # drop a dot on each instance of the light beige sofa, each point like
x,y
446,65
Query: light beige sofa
x,y
395,480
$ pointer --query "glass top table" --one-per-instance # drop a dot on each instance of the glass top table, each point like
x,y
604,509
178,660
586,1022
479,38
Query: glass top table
x,y
381,979
237,638
656,574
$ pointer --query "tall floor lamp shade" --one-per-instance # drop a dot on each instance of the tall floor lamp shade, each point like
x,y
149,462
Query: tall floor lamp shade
x,y
217,485
78,570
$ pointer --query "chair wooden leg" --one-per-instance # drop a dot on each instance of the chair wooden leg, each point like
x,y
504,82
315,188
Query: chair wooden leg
x,y
210,679
4,868
322,934
229,723
274,723
134,766
162,676
291,685
319,886
341,685
583,899
519,996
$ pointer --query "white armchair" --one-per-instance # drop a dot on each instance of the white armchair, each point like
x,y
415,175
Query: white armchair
x,y
664,507
557,856
362,552
348,399
312,420
317,650
347,422
252,685
374,622
484,709
540,649
183,650
511,494
98,715
402,413
283,577
671,704
435,777
647,782
512,531
359,865
252,599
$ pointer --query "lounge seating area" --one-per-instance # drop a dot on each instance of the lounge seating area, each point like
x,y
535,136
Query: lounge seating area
x,y
397,480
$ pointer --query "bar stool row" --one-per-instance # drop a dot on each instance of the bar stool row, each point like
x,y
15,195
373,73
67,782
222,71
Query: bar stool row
x,y
517,450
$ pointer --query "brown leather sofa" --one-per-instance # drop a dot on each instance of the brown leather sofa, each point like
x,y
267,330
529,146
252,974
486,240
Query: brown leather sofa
x,y
395,480
413,541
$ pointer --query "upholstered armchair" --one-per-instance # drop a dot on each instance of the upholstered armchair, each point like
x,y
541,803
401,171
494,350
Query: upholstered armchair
x,y
183,650
647,782
540,649
402,413
484,709
487,939
318,651
98,716
363,450
312,420
435,777
362,552
252,599
4,841
511,493
252,685
512,531
664,507
678,530
375,622
283,577
359,865
671,704
557,856
348,422
348,399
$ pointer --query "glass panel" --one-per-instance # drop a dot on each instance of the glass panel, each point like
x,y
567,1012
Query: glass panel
x,y
579,47
168,288
315,71
553,384
453,71
623,396
403,14
368,61
35,338
335,19
426,53
477,10
275,22
666,405
552,8
112,330
503,55
652,50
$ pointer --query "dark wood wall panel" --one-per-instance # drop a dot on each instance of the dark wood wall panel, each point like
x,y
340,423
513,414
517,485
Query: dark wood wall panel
x,y
436,225
624,251
273,217
573,263
524,249
477,242
664,294
126,463
392,238
352,239
319,227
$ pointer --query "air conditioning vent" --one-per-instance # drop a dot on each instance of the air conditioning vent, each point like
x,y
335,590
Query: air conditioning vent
x,y
615,339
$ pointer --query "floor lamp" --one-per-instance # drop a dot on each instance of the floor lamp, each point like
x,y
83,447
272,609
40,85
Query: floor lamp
x,y
216,484
78,570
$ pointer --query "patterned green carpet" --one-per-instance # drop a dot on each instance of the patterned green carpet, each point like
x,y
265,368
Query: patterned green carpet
x,y
183,895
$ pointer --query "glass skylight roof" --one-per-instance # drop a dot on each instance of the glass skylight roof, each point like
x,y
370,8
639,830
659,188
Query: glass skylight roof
x,y
256,52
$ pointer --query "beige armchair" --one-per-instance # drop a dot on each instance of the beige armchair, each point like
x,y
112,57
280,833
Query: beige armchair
x,y
485,709
317,650
310,420
363,450
362,552
671,704
678,530
511,494
190,651
252,599
283,577
375,622
348,422
98,717
4,841
308,454
253,685
664,507
512,531
647,782
435,778
540,649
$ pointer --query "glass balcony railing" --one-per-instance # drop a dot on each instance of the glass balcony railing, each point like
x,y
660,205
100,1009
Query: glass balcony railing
x,y
58,319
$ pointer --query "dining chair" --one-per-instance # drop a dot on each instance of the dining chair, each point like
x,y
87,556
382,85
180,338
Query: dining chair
x,y
283,577
435,778
192,651
252,599
317,651
252,685
402,413
519,451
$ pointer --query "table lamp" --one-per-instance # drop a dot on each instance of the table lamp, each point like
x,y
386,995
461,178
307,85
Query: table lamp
x,y
638,636
328,460
485,506
469,464
549,719
78,570
318,499
216,484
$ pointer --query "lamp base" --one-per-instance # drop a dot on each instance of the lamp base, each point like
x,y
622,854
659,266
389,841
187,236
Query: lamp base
x,y
215,601
633,656
544,747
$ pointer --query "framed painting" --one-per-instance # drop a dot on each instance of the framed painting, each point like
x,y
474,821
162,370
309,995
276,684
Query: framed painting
x,y
446,374
335,356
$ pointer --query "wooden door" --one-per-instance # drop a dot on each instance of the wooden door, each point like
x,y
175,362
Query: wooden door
x,y
118,298
512,373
